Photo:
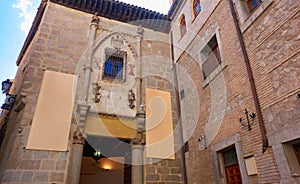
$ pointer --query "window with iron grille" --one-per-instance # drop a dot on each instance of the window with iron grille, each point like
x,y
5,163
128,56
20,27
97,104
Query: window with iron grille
x,y
114,65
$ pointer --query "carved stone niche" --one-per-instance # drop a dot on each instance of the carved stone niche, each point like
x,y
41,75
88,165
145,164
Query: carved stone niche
x,y
117,42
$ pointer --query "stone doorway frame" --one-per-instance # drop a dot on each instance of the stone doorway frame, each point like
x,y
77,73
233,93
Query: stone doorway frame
x,y
219,170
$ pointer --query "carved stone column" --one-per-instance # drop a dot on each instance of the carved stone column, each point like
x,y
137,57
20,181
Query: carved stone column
x,y
88,66
137,148
139,81
74,166
137,173
82,111
137,176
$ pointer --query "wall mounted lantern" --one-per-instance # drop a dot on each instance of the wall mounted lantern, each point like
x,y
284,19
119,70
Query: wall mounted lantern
x,y
96,92
8,102
97,155
131,99
248,123
10,99
6,85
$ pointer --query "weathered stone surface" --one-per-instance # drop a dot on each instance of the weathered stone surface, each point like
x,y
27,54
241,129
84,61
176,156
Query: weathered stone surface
x,y
57,177
12,176
30,164
27,176
40,176
152,177
48,165
170,178
61,165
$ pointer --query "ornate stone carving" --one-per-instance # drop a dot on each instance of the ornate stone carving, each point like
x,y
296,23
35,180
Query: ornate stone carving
x,y
78,138
115,52
96,92
95,20
117,42
82,111
140,31
131,99
131,68
139,139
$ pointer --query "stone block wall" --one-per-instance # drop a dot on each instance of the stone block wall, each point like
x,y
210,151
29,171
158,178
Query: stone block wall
x,y
158,74
166,170
57,45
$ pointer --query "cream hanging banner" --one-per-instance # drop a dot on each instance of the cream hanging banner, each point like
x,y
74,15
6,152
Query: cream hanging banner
x,y
52,118
159,126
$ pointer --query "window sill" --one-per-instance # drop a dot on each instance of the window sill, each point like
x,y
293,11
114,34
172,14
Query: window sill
x,y
195,16
257,12
117,81
213,75
181,37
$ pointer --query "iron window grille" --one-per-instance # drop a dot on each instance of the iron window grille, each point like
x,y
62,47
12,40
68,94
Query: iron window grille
x,y
114,65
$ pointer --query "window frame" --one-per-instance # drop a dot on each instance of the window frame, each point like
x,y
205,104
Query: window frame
x,y
194,4
290,154
251,8
245,18
218,160
201,57
281,144
111,52
182,24
212,47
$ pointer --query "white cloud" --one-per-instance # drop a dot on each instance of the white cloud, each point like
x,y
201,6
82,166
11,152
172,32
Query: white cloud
x,y
27,14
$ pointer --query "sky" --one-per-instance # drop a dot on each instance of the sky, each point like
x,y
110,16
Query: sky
x,y
15,21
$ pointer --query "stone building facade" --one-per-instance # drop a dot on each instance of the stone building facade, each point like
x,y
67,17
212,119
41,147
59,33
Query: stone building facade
x,y
211,65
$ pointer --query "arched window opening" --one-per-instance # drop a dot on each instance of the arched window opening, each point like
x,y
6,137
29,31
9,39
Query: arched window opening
x,y
196,7
182,25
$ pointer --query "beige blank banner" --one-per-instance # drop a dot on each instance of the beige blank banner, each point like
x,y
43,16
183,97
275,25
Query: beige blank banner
x,y
52,119
110,127
159,126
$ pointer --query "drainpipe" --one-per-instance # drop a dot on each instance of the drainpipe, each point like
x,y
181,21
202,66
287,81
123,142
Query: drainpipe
x,y
182,151
251,80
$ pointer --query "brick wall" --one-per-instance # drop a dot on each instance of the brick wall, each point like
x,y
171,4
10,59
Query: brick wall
x,y
271,42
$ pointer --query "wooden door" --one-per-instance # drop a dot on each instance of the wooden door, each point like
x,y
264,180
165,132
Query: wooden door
x,y
233,174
